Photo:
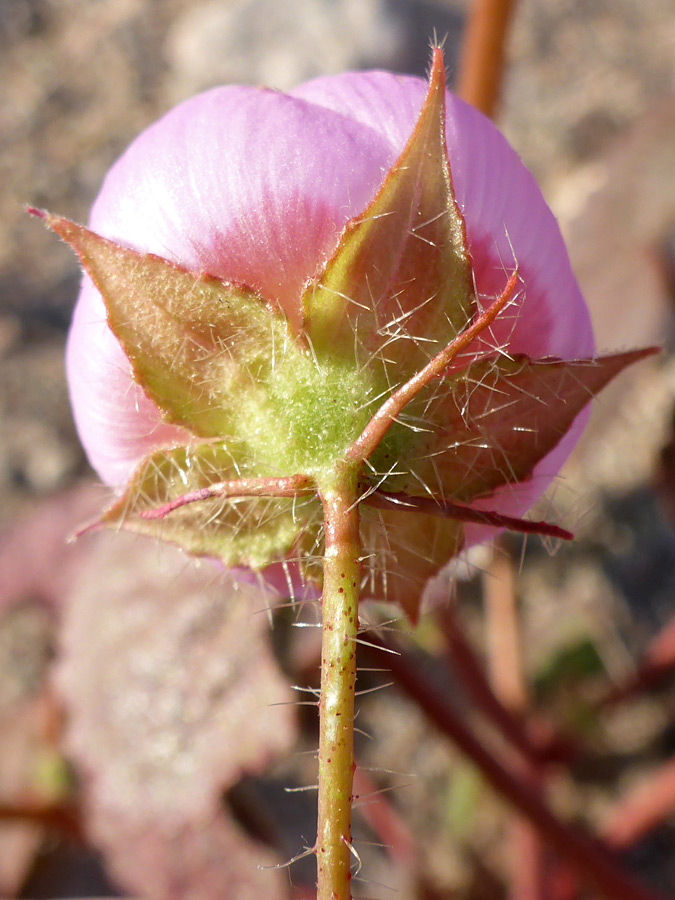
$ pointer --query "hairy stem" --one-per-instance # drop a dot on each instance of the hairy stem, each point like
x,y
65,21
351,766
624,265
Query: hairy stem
x,y
338,678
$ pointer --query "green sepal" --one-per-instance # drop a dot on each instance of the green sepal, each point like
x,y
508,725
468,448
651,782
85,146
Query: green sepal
x,y
491,423
402,551
242,531
399,287
201,348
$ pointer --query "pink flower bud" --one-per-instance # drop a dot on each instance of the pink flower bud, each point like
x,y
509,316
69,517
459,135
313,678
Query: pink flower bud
x,y
256,187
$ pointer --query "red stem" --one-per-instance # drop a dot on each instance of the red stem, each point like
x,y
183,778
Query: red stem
x,y
378,813
483,51
590,859
533,747
657,663
64,817
448,510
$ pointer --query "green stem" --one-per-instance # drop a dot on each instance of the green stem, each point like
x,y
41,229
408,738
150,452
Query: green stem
x,y
338,679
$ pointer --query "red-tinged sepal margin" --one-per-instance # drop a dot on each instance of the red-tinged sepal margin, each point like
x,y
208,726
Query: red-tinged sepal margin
x,y
399,287
200,347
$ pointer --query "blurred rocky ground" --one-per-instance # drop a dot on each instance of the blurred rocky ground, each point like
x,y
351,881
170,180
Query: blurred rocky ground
x,y
589,103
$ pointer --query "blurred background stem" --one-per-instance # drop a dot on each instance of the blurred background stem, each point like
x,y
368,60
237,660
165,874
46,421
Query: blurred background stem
x,y
507,674
483,52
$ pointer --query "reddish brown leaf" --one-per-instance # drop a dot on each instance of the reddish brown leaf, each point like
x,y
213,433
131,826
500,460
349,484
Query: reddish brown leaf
x,y
168,679
34,561
36,571
199,858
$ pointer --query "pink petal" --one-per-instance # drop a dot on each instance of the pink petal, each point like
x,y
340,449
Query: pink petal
x,y
507,218
245,183
507,222
116,421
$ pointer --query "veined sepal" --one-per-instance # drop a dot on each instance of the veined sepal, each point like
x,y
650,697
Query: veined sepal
x,y
212,501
